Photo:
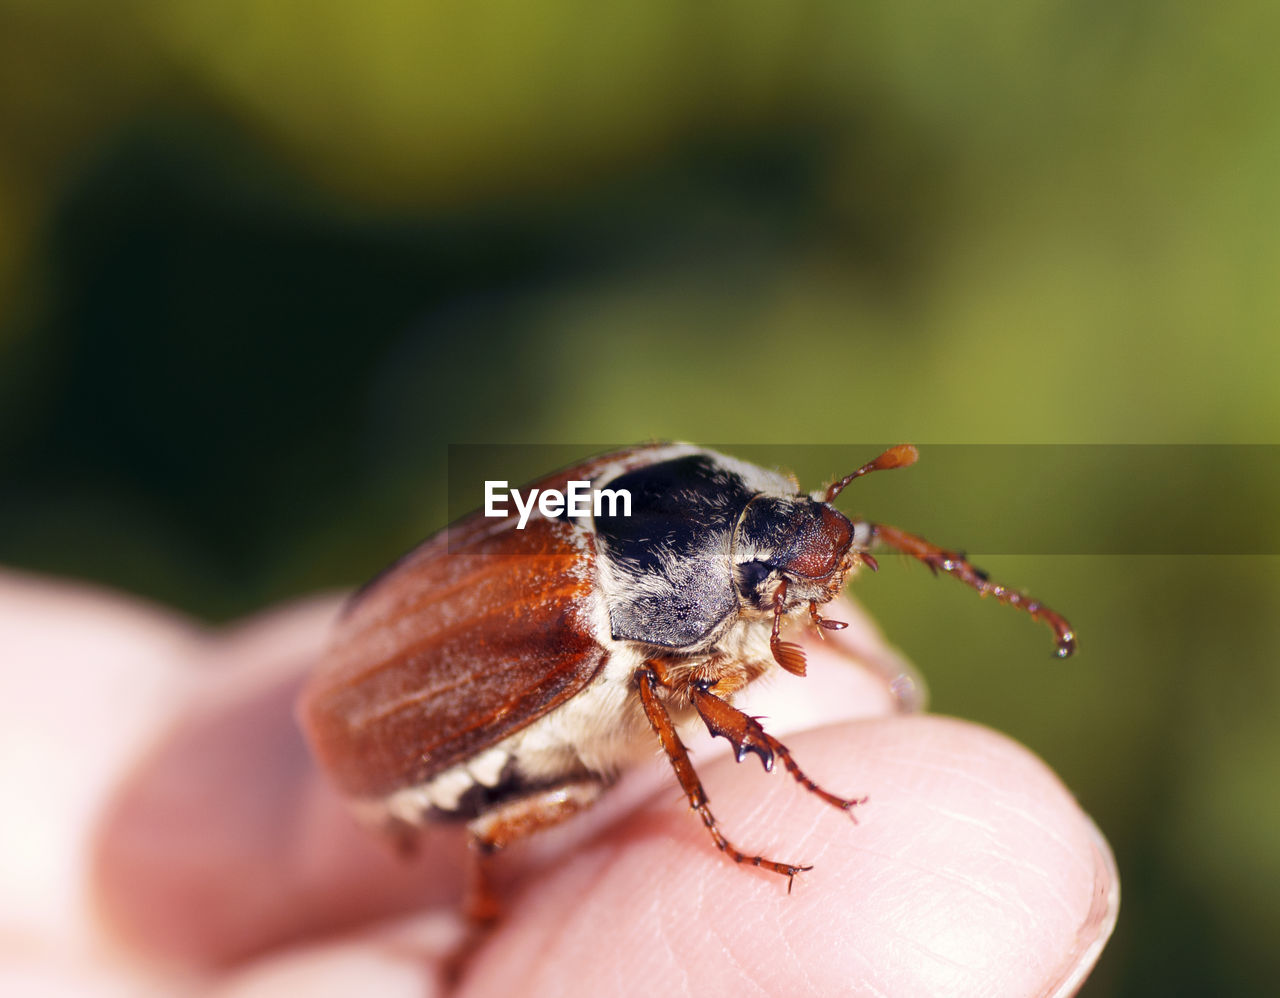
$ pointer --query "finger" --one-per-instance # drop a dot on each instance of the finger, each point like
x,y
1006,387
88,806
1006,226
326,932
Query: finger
x,y
85,676
406,958
972,871
224,840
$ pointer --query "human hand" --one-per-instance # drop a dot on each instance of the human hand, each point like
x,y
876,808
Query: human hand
x,y
165,830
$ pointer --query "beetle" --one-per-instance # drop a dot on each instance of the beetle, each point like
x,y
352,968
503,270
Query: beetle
x,y
503,677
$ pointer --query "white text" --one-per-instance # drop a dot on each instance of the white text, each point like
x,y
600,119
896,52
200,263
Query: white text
x,y
580,500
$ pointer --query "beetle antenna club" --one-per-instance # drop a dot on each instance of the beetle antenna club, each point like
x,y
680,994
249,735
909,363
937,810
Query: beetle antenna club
x,y
899,456
788,655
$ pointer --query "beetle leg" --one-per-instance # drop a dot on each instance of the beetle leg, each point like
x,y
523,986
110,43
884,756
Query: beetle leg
x,y
745,734
480,901
660,720
958,566
789,656
498,828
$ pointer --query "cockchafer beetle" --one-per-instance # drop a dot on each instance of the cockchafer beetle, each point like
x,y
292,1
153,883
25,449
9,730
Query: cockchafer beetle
x,y
503,676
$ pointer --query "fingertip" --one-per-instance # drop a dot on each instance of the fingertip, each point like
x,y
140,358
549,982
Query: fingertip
x,y
971,871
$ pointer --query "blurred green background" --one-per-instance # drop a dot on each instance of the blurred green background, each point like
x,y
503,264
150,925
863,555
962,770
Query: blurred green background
x,y
259,266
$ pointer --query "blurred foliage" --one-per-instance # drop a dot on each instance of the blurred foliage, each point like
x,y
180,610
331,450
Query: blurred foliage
x,y
258,267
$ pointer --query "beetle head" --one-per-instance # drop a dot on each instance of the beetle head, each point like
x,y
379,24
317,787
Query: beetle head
x,y
800,540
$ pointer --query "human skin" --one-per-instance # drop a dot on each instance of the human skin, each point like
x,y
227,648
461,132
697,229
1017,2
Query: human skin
x,y
167,833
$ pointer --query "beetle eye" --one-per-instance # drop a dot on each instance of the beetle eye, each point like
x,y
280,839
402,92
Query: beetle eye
x,y
750,576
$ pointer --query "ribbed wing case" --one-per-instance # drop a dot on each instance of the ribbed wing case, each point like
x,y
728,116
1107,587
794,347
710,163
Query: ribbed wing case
x,y
473,635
